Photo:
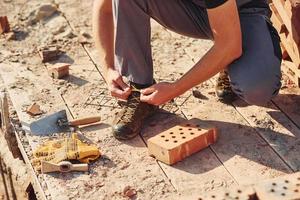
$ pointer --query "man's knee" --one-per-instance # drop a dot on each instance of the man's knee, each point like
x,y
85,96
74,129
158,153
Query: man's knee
x,y
258,92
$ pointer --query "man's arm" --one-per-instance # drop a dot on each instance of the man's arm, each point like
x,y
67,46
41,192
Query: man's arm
x,y
225,24
103,31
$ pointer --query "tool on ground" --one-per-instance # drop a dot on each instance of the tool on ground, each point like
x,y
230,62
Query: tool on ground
x,y
64,166
58,122
181,141
56,151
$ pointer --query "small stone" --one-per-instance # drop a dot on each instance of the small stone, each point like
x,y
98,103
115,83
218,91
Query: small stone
x,y
69,34
45,11
34,110
198,94
10,36
129,191
86,35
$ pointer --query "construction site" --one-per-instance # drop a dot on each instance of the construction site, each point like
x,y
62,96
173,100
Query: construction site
x,y
49,67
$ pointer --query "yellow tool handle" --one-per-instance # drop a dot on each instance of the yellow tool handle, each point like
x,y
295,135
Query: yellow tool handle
x,y
85,121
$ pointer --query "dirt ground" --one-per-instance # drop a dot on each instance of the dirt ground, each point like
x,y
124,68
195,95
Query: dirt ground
x,y
252,143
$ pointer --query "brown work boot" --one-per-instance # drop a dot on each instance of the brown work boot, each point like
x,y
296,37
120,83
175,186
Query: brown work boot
x,y
128,123
223,88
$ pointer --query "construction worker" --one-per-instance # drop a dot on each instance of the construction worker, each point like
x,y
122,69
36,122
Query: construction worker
x,y
246,52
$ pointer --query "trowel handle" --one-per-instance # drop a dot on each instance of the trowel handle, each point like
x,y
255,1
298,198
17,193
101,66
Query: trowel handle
x,y
85,121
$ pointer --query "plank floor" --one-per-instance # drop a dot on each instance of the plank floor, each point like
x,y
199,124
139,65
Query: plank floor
x,y
255,143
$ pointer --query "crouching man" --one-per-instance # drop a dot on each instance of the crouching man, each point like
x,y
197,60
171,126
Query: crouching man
x,y
246,52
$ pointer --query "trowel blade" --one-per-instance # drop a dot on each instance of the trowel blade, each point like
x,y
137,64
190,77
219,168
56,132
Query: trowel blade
x,y
48,125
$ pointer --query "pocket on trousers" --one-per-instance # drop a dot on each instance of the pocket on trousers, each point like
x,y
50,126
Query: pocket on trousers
x,y
275,40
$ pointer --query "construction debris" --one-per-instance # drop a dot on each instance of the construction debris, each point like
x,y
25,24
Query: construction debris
x,y
4,25
42,12
34,110
180,142
49,53
59,70
285,18
129,192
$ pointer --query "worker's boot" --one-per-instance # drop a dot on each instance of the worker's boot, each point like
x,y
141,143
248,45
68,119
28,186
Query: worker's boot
x,y
223,88
128,122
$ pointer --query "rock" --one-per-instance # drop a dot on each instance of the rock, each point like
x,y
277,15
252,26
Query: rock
x,y
129,192
198,94
45,11
68,34
86,35
34,110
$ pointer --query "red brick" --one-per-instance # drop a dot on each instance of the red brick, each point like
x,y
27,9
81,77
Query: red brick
x,y
180,142
59,70
4,25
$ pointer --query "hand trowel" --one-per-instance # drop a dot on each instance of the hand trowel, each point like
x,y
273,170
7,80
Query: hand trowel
x,y
58,122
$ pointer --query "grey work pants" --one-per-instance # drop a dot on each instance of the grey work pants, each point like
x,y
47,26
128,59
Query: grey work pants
x,y
255,76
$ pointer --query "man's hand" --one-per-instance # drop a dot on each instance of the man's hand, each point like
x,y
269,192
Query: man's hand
x,y
117,87
159,93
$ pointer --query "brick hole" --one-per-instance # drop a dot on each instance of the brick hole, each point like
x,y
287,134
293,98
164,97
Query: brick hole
x,y
197,125
273,184
180,129
298,184
167,140
227,194
162,136
199,129
192,133
239,191
175,141
183,137
188,125
173,136
298,178
171,133
213,196
282,194
200,199
284,187
286,181
296,190
272,190
190,129
181,133
237,198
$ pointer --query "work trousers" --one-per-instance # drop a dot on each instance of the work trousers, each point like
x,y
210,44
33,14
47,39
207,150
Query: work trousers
x,y
254,77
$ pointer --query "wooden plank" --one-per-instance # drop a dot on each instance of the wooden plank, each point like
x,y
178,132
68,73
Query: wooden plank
x,y
287,101
289,48
286,19
242,151
24,87
276,129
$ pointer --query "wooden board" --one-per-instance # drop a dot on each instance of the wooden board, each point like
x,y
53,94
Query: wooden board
x,y
24,87
276,129
287,101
